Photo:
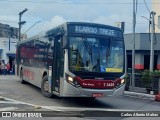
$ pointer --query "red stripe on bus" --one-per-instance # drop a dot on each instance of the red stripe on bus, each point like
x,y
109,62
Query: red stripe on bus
x,y
92,83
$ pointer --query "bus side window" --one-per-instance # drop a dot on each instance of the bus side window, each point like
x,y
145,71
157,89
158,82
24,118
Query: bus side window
x,y
50,54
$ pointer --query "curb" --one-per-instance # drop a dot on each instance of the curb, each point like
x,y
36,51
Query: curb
x,y
142,95
157,97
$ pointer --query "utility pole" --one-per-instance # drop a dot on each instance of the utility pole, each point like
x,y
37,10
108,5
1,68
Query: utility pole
x,y
133,49
152,40
21,22
9,43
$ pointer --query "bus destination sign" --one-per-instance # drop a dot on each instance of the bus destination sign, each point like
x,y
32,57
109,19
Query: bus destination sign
x,y
94,30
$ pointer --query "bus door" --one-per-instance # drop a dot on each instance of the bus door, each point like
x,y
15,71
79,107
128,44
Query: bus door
x,y
56,69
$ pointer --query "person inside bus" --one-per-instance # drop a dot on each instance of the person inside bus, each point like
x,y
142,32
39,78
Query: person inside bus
x,y
79,65
89,65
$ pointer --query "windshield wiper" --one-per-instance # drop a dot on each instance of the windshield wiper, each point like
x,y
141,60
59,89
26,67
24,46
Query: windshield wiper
x,y
97,65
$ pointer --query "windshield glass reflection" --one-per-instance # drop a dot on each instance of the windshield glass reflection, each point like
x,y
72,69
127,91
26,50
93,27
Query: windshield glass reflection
x,y
96,54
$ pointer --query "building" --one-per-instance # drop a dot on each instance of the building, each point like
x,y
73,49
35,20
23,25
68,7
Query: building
x,y
8,41
142,50
143,45
156,8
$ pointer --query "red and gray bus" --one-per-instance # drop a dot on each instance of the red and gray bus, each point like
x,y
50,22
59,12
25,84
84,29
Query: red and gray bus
x,y
75,59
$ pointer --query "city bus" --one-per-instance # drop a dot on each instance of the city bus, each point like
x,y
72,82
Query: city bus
x,y
75,59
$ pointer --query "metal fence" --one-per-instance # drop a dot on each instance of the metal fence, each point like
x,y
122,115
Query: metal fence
x,y
140,85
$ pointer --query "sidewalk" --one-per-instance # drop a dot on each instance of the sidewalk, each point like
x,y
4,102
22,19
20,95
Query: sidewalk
x,y
142,95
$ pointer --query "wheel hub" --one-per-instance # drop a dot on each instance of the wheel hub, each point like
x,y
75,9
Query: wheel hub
x,y
46,86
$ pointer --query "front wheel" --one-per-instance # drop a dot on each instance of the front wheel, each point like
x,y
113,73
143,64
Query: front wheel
x,y
45,87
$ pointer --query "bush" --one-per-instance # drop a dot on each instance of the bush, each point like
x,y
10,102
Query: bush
x,y
156,73
147,77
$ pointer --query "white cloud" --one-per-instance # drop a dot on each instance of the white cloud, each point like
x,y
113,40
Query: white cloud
x,y
8,19
53,13
57,20
109,20
46,25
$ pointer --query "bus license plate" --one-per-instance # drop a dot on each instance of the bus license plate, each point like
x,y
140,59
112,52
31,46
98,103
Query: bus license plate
x,y
97,95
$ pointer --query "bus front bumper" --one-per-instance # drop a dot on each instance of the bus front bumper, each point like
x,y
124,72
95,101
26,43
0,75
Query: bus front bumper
x,y
102,92
71,91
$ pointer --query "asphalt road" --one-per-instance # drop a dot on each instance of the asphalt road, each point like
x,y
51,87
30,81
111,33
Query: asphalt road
x,y
11,87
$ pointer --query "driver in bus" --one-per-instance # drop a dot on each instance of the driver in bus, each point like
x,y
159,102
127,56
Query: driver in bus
x,y
79,65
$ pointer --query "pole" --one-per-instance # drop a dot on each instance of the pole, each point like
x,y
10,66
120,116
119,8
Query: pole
x,y
152,40
19,26
133,49
21,23
9,43
10,36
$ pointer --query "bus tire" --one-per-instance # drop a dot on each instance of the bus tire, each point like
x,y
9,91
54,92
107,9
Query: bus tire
x,y
21,77
44,88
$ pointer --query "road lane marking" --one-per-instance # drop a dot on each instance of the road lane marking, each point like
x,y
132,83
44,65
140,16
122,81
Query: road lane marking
x,y
9,100
8,108
4,78
60,108
81,109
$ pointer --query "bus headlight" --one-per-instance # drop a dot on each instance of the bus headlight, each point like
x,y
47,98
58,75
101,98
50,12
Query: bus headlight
x,y
70,79
122,81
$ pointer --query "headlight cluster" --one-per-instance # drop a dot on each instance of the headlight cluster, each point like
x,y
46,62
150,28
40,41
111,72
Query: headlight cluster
x,y
122,82
72,81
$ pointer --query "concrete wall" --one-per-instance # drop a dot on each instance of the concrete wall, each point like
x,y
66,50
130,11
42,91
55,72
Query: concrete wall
x,y
129,41
142,41
142,47
4,45
156,8
145,41
139,61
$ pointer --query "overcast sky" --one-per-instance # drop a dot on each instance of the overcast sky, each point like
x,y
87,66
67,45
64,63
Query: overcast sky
x,y
54,12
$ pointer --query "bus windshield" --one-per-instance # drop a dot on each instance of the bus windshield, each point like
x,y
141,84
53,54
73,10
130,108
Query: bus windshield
x,y
96,54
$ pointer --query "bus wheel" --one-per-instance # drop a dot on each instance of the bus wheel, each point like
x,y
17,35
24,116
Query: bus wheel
x,y
45,87
21,77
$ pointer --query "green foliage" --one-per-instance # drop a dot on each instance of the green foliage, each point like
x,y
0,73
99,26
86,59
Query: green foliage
x,y
147,77
156,73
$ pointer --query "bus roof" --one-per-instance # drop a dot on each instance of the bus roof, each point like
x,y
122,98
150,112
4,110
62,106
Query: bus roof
x,y
66,24
67,28
85,28
92,24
